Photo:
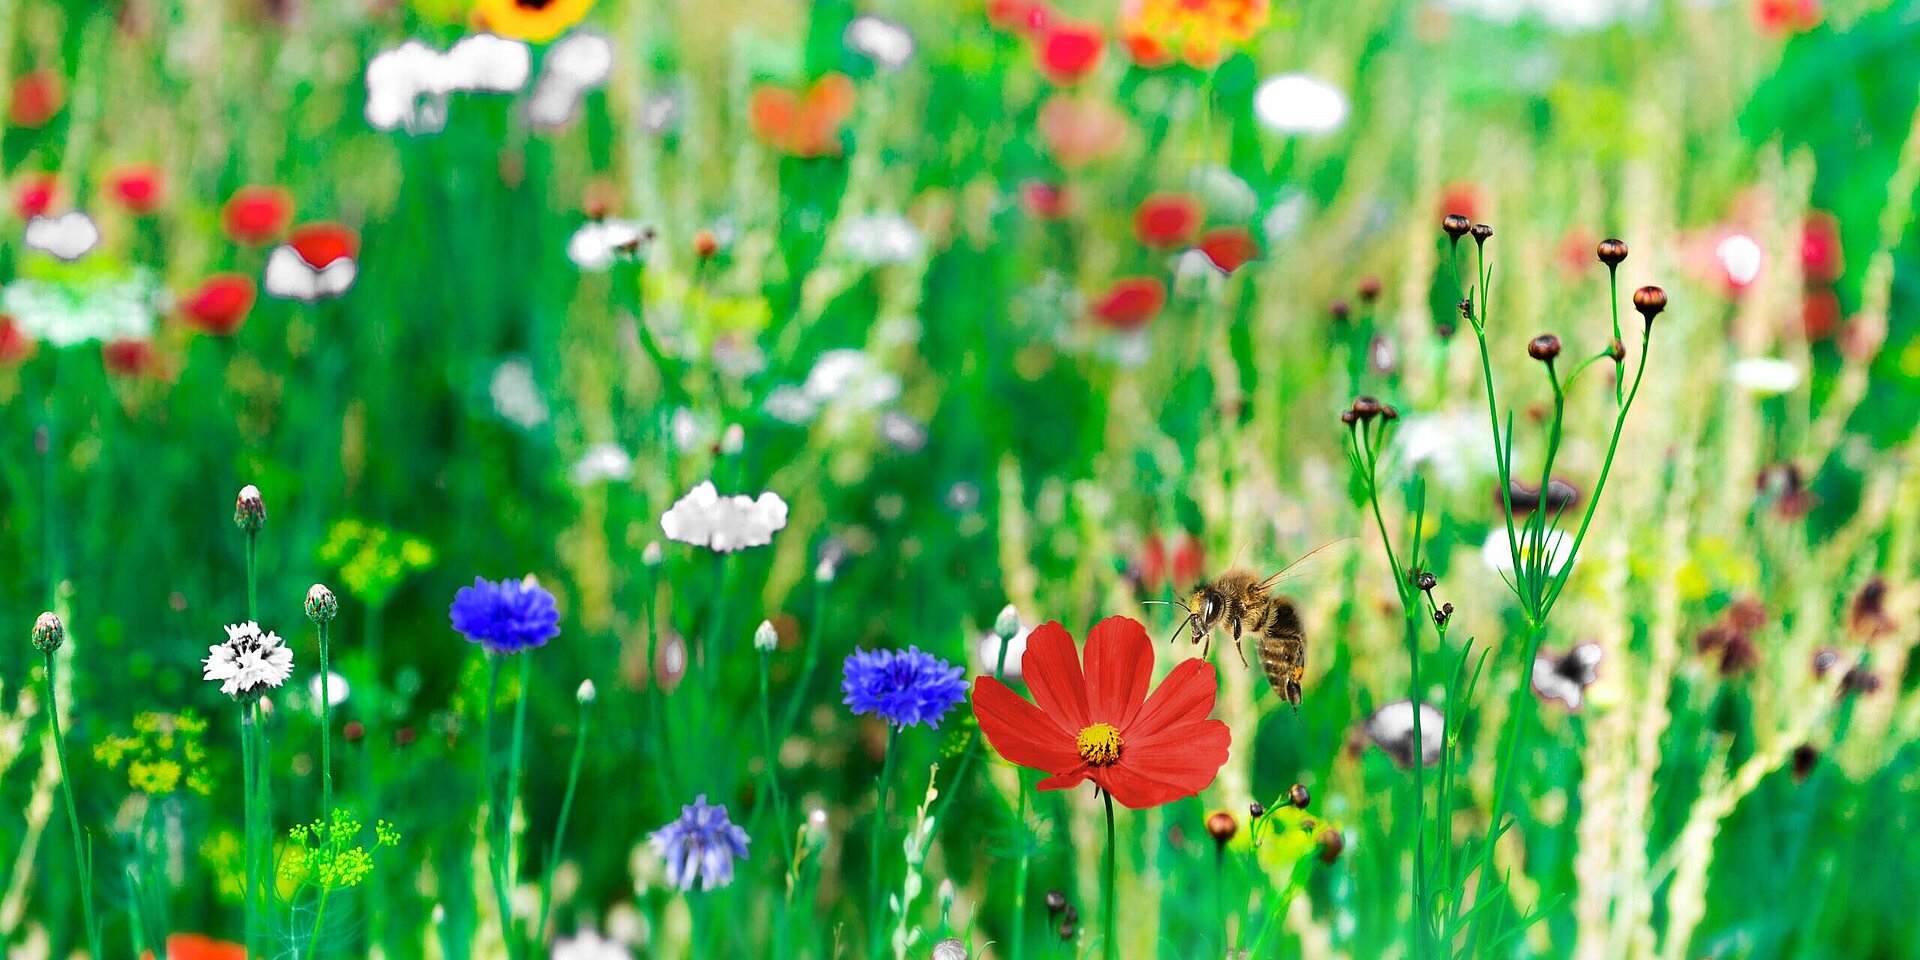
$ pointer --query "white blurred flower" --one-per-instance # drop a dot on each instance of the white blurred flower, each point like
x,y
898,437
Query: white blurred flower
x,y
577,63
1224,195
289,276
789,404
337,689
585,693
1740,257
598,243
882,239
692,431
850,377
903,432
765,638
733,439
1391,729
407,85
589,945
1455,449
516,397
1297,103
68,236
97,308
249,663
882,41
1766,376
703,518
1287,216
1016,649
602,463
1498,554
660,113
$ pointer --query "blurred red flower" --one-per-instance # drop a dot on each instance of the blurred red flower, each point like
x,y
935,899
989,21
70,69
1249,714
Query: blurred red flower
x,y
1069,50
37,96
1463,199
220,304
128,358
199,946
256,214
1098,722
803,123
1166,220
1820,313
1029,17
1783,17
1130,302
139,187
1157,567
33,195
1043,200
1199,31
320,244
1230,248
14,345
1820,255
1079,130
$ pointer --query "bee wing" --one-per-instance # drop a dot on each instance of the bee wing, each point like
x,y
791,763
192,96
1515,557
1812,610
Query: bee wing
x,y
1315,561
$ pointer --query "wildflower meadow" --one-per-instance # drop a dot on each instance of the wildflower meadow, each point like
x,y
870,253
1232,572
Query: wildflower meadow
x,y
959,479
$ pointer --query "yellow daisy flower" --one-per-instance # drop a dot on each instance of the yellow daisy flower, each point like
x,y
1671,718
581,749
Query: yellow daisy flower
x,y
536,21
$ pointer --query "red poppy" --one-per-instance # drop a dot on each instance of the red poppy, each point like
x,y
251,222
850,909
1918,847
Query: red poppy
x,y
128,358
37,96
1079,130
199,946
1783,17
1157,567
1100,724
803,123
14,345
33,195
1029,17
1820,255
1230,248
1166,220
1820,313
1043,200
1463,199
257,215
220,303
1130,302
1069,50
1576,252
139,187
320,244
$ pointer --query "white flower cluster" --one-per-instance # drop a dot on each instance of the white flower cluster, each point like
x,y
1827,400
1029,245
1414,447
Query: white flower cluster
x,y
250,662
704,518
97,308
408,85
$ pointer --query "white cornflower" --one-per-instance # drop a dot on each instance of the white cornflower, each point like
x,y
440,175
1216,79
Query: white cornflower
x,y
68,236
882,239
1766,376
516,398
598,243
603,462
590,945
1498,553
99,308
249,663
704,518
1297,103
880,40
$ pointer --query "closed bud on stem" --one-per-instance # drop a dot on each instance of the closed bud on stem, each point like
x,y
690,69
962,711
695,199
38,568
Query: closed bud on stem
x,y
1056,901
1339,311
1369,289
1455,225
1544,347
1332,844
322,605
1299,797
651,554
586,693
1426,581
1221,826
1466,309
1481,233
1366,408
1617,350
1256,809
249,510
1649,301
1349,417
1389,412
765,639
1007,625
705,244
49,634
733,439
1612,251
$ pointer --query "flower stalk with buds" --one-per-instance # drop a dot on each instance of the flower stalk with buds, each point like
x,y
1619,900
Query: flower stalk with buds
x,y
49,635
584,697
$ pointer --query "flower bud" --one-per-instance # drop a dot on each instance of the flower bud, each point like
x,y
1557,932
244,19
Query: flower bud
x,y
825,572
1339,311
1612,251
1256,809
586,693
705,244
950,949
1544,347
49,634
1426,581
1299,797
651,554
322,605
1455,225
765,639
1616,350
1389,412
1649,301
1805,758
1349,417
1221,827
1006,626
1481,232
1332,844
249,510
1465,307
733,439
1366,408
1369,289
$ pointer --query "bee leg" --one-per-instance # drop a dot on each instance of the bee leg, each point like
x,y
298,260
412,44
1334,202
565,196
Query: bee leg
x,y
1242,652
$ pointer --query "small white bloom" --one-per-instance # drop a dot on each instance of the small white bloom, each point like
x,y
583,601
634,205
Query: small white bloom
x,y
765,638
1739,256
290,277
886,43
586,693
704,518
851,377
589,945
882,239
407,85
1297,103
1391,728
1498,554
486,63
336,692
516,398
598,243
651,554
68,236
789,404
733,439
249,663
577,63
1766,376
660,113
903,432
1455,449
950,948
602,463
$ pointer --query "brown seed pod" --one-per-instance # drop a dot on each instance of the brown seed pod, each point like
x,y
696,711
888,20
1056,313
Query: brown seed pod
x,y
1256,810
1612,251
1544,347
1221,826
1366,407
1332,844
1339,311
1299,797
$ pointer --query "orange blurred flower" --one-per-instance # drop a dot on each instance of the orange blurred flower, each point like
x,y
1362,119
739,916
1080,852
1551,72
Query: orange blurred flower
x,y
1786,17
37,96
1198,32
803,123
1079,130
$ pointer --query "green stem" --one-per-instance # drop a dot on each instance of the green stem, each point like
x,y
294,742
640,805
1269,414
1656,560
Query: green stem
x,y
326,733
253,552
319,915
766,733
1110,942
560,828
82,860
248,819
507,865
878,896
494,854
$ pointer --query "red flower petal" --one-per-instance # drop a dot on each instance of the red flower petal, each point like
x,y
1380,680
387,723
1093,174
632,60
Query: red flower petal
x,y
1182,764
1119,670
1020,731
1230,248
220,303
1069,51
1185,696
1166,220
1069,779
33,195
14,345
320,244
138,187
128,358
37,96
256,214
1051,668
1130,302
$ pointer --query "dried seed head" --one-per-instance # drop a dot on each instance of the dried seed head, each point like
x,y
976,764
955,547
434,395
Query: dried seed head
x,y
249,510
1544,347
1805,757
49,634
1649,301
1256,810
1299,797
322,605
1455,225
1481,232
1339,311
1369,289
1426,581
1332,844
1612,251
1465,307
1442,615
1066,932
1056,901
1221,826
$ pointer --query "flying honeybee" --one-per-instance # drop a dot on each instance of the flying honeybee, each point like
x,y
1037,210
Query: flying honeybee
x,y
1243,603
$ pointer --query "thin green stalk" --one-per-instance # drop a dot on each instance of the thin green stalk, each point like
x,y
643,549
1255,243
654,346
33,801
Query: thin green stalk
x,y
560,828
82,854
877,899
1020,869
501,899
248,819
319,915
514,753
253,601
326,732
766,733
1110,942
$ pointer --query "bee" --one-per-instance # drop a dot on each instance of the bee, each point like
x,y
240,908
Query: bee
x,y
1241,603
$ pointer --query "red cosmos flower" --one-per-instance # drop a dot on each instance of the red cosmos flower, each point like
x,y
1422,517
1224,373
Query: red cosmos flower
x,y
1080,130
257,215
199,946
1783,17
1166,220
220,303
1099,724
37,96
128,358
1230,248
1043,200
1069,50
33,195
14,345
139,187
1820,254
1130,302
803,123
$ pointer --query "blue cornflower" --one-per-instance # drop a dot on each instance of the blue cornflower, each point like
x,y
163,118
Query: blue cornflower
x,y
904,687
701,845
505,617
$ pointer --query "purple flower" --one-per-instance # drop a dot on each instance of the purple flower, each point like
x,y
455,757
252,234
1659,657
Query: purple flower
x,y
700,846
505,617
904,687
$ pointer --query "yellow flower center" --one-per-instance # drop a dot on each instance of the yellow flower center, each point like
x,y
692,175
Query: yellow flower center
x,y
1099,744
